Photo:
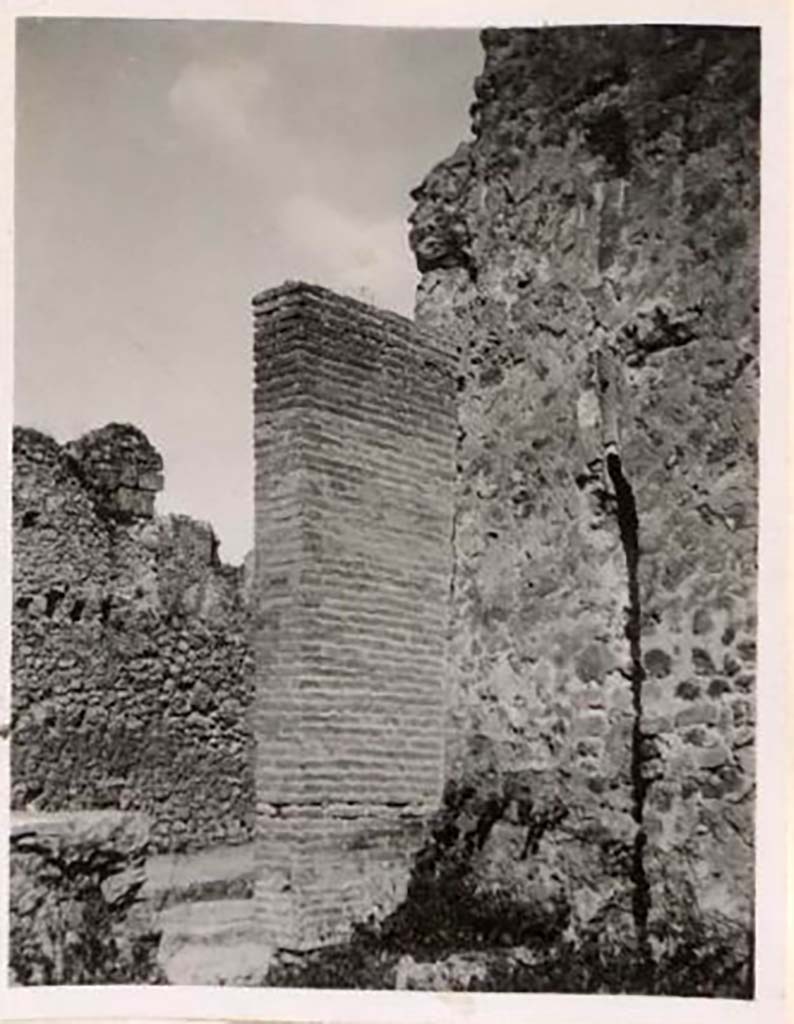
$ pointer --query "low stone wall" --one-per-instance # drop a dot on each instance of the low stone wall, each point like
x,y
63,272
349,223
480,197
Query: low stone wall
x,y
76,911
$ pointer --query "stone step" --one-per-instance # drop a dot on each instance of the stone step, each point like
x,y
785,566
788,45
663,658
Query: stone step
x,y
244,963
211,942
220,873
207,921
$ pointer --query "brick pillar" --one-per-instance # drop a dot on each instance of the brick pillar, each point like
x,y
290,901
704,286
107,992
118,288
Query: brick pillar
x,y
354,442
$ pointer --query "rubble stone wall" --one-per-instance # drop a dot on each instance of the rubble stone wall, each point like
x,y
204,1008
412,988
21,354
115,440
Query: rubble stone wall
x,y
354,438
592,257
77,915
130,658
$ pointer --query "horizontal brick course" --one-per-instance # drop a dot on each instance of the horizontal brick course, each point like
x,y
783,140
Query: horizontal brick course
x,y
354,442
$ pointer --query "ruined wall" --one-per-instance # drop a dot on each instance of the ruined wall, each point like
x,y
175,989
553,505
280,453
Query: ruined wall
x,y
130,658
354,438
592,255
76,914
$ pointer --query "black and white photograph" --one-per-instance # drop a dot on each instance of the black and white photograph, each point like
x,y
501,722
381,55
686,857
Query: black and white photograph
x,y
384,497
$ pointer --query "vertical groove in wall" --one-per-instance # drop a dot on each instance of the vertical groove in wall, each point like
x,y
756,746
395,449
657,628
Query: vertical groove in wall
x,y
628,524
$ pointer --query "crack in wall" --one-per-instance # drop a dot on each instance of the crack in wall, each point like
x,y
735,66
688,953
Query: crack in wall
x,y
628,523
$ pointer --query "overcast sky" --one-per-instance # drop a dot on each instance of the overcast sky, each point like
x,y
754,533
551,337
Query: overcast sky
x,y
166,171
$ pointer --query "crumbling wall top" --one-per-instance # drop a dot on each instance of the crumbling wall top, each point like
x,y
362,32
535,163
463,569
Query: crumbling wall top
x,y
122,468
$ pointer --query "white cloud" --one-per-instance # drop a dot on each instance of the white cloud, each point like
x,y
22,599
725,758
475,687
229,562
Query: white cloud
x,y
220,99
364,258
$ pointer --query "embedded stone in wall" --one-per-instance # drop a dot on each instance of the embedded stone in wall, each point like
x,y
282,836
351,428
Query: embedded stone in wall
x,y
354,437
